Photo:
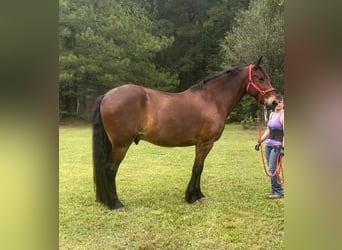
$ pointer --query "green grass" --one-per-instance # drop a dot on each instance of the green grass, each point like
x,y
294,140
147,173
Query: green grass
x,y
151,182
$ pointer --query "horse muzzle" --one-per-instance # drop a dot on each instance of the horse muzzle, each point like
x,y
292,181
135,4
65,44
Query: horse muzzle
x,y
270,104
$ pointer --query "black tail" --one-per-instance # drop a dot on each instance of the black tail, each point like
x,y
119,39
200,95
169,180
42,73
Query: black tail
x,y
103,177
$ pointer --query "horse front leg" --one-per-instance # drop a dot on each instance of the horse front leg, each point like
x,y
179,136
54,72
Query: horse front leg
x,y
193,192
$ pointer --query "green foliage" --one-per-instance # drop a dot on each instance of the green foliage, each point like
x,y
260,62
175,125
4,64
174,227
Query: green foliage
x,y
104,44
249,122
261,34
243,110
198,28
257,31
151,182
165,44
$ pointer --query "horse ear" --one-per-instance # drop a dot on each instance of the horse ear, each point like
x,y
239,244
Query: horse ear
x,y
258,63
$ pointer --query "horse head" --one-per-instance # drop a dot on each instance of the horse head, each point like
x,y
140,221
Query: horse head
x,y
259,85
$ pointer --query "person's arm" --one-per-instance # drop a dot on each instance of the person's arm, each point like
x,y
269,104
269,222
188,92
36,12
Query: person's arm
x,y
264,136
282,121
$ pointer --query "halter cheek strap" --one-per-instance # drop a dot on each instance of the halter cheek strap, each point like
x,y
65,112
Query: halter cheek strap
x,y
261,92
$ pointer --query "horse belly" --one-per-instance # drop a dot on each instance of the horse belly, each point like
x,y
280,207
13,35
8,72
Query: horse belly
x,y
170,138
173,128
184,130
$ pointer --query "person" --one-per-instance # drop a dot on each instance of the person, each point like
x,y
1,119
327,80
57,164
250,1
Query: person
x,y
274,146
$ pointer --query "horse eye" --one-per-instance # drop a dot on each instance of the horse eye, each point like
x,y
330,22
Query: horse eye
x,y
261,79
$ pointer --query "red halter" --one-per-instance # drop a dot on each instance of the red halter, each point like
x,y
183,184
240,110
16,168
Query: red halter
x,y
261,92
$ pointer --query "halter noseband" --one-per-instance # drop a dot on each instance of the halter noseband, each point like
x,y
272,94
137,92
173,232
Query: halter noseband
x,y
261,92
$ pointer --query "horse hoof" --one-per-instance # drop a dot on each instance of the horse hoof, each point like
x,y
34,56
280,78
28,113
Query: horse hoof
x,y
191,199
122,208
117,205
201,199
197,202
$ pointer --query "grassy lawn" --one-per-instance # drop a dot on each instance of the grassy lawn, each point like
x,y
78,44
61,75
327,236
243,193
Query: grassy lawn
x,y
151,183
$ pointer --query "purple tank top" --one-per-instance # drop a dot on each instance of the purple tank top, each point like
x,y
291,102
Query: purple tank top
x,y
274,124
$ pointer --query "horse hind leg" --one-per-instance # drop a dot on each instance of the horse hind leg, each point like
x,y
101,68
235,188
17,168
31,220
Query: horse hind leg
x,y
105,175
118,154
113,201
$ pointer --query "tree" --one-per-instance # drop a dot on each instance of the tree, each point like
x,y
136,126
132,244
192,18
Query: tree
x,y
104,44
198,28
164,44
257,31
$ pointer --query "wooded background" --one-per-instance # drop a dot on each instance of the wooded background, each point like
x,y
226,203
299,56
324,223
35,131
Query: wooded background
x,y
163,44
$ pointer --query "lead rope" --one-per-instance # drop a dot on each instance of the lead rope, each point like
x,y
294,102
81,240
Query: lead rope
x,y
280,171
279,168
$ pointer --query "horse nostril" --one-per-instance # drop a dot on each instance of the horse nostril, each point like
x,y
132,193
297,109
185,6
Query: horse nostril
x,y
271,105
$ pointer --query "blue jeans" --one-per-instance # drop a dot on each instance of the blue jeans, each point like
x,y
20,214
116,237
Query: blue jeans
x,y
271,153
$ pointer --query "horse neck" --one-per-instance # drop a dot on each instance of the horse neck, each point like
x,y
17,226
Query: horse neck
x,y
228,91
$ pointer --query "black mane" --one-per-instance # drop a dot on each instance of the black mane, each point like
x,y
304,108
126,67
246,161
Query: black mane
x,y
216,75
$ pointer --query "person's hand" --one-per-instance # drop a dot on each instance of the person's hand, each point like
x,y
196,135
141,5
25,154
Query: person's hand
x,y
282,151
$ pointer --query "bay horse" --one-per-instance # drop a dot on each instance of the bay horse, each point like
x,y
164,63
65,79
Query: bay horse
x,y
196,116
